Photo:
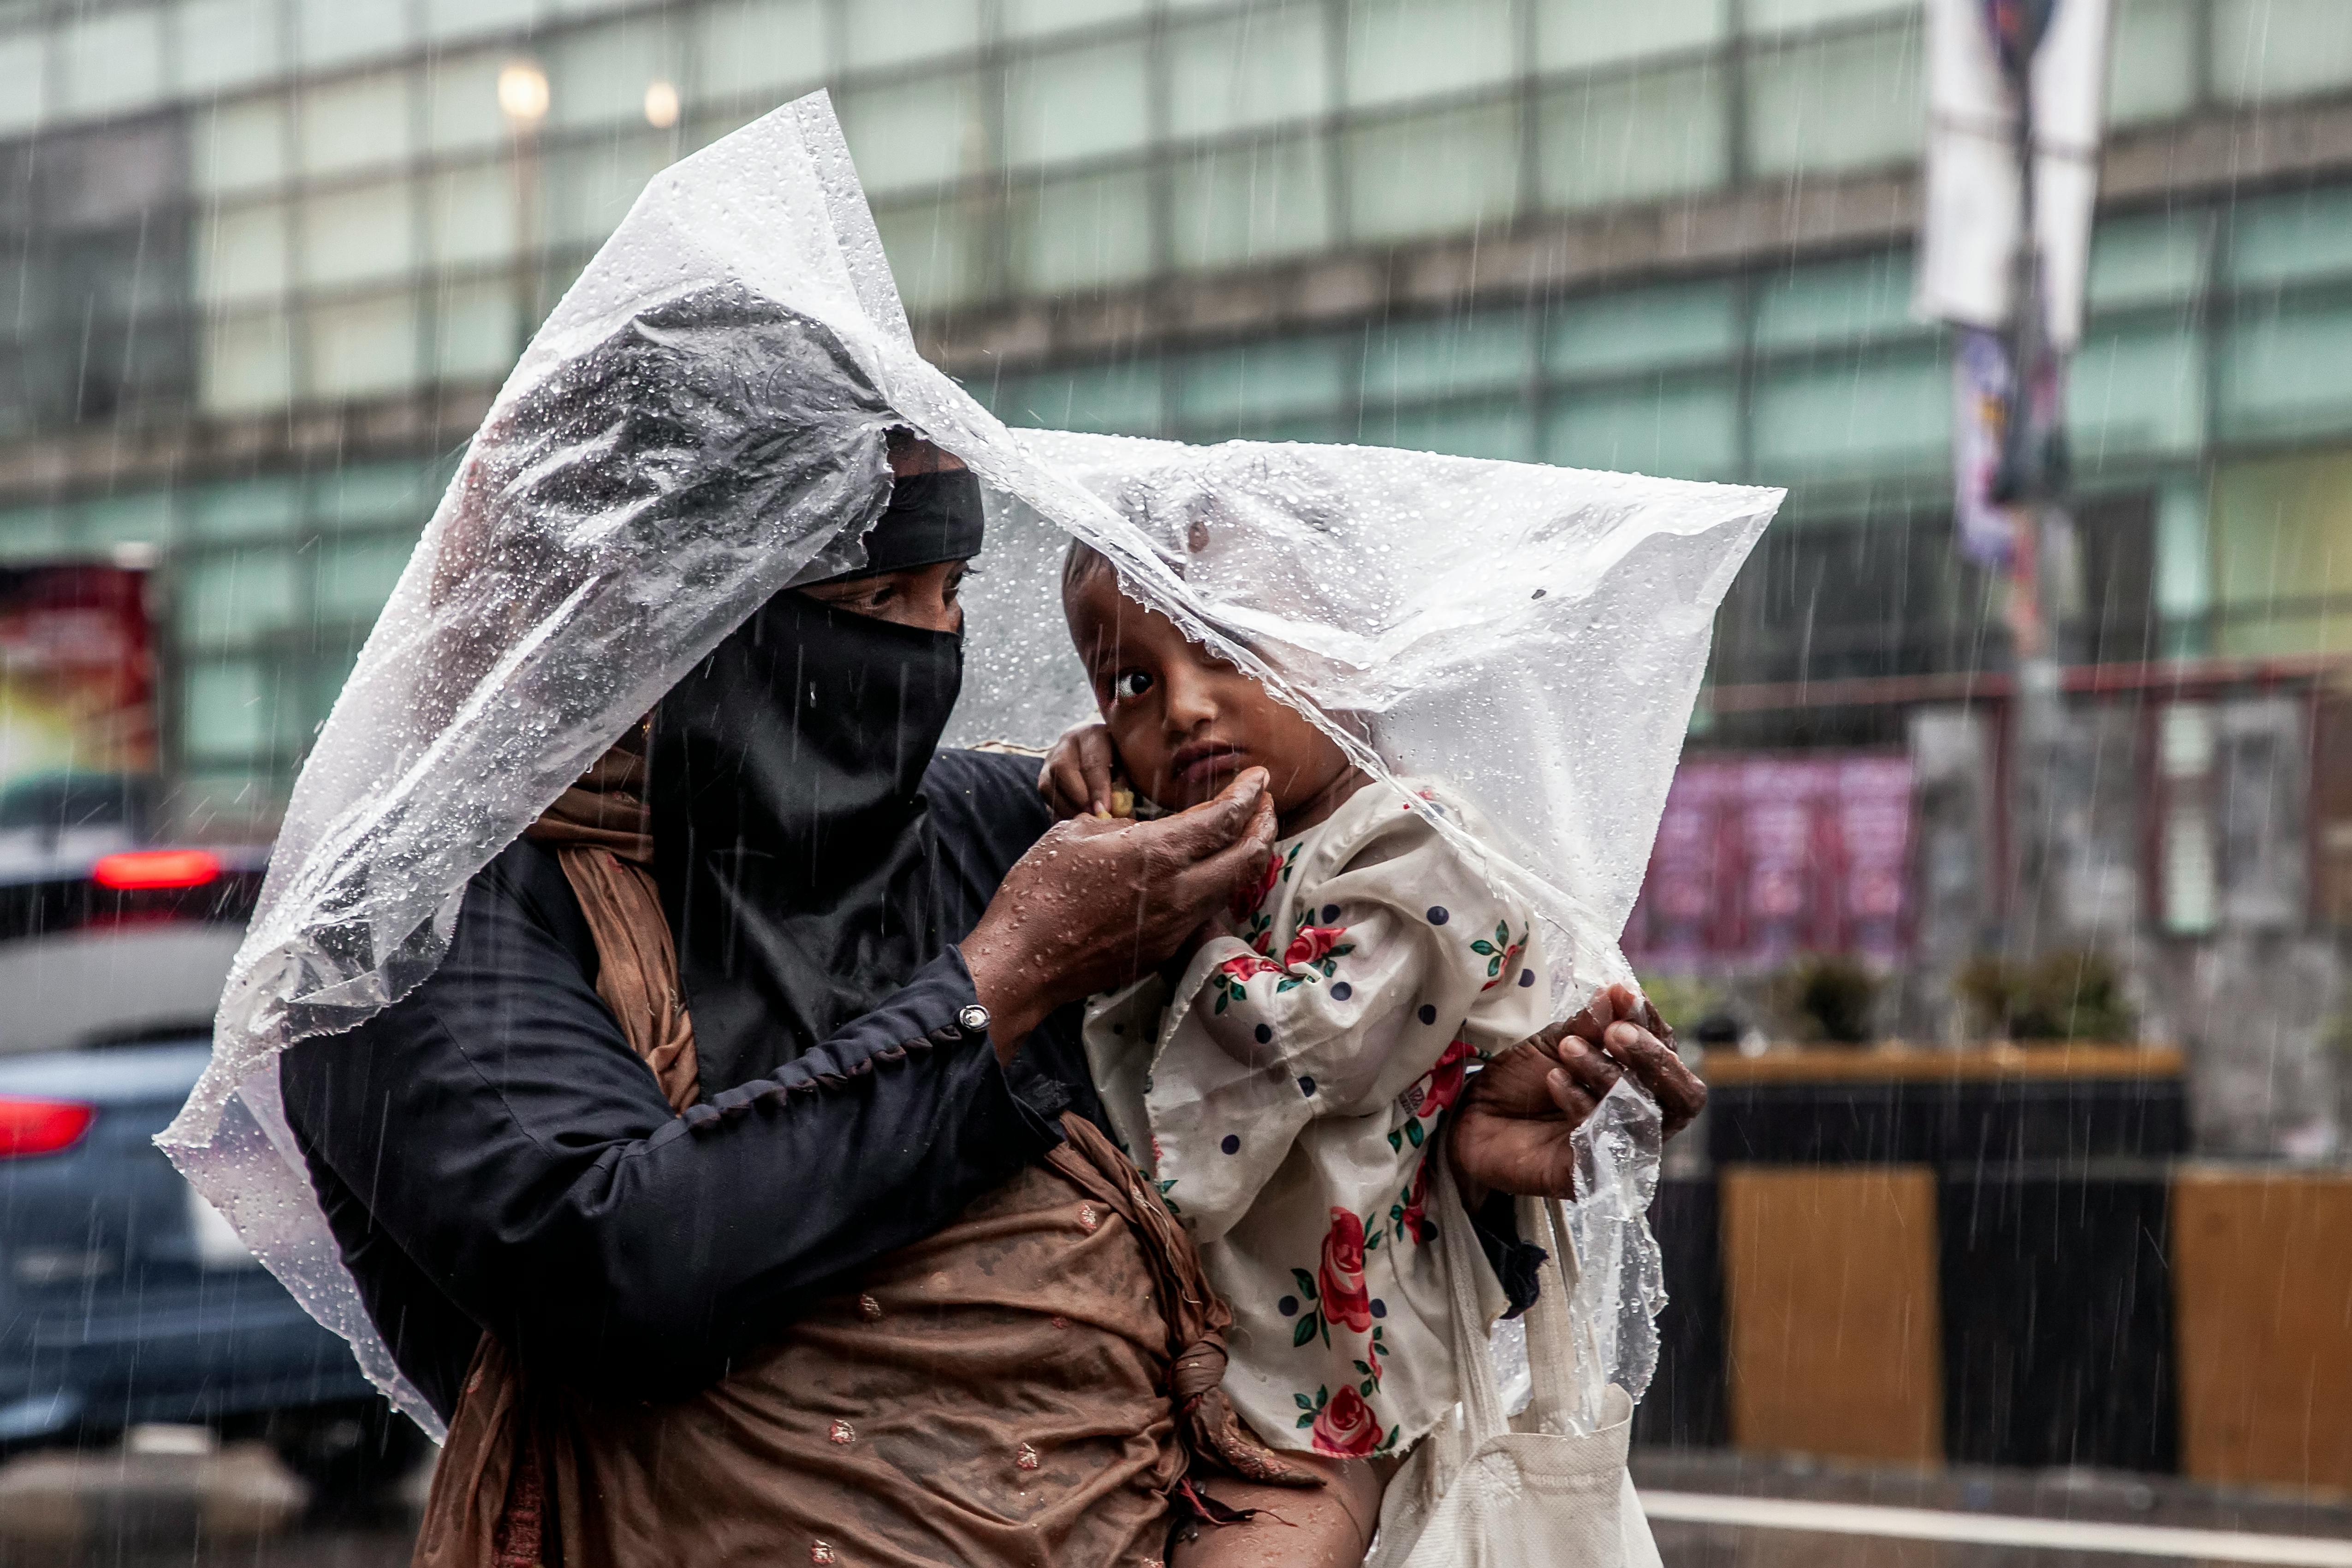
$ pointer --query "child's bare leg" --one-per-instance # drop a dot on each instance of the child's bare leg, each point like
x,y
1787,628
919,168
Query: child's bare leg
x,y
1328,1527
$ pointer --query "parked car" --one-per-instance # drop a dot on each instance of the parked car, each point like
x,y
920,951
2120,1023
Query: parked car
x,y
124,1298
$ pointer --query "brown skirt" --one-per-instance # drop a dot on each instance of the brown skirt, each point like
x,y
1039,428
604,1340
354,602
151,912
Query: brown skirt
x,y
999,1394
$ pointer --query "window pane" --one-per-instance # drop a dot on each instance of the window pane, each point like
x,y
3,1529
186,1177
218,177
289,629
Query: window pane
x,y
2136,394
599,75
1411,361
1261,68
1251,203
461,103
1433,173
910,30
247,364
445,20
472,215
1029,18
1846,102
1230,388
2145,260
244,509
241,252
590,186
915,134
225,43
24,66
241,146
354,235
1890,413
1634,138
30,532
369,495
111,62
478,330
1674,429
2151,61
2276,48
2283,372
361,347
337,31
1492,427
1836,302
1126,399
1083,232
1642,328
356,575
2280,239
124,520
1400,50
1079,104
1574,33
229,710
229,598
353,124
932,253
1779,16
760,45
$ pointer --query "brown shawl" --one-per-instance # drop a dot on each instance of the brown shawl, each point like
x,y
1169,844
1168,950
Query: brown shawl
x,y
529,1471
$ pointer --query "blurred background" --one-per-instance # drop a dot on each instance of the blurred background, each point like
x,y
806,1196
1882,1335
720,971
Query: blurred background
x,y
2002,893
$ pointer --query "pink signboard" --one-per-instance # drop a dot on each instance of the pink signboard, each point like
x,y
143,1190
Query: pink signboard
x,y
1760,857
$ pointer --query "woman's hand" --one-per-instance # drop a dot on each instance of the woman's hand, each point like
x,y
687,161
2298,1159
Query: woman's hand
x,y
1080,771
1513,1129
1097,902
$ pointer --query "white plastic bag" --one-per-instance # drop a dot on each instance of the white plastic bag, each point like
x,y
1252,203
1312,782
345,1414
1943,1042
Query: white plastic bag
x,y
1492,1491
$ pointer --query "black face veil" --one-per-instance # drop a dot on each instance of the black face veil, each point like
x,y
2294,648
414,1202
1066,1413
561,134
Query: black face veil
x,y
791,841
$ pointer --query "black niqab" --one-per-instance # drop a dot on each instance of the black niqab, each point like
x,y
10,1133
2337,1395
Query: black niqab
x,y
791,841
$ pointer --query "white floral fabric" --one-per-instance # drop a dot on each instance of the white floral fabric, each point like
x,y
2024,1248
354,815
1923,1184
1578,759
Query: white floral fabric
x,y
1284,1099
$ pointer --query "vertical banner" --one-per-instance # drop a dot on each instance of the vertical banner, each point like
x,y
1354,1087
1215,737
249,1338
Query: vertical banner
x,y
1759,858
76,679
1974,211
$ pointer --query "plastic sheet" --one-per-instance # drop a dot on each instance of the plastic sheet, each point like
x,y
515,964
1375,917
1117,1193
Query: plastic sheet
x,y
704,415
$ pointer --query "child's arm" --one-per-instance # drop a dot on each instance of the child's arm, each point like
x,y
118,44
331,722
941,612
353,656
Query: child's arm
x,y
1328,1527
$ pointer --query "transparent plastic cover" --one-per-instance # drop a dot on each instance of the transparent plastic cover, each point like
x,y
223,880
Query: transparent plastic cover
x,y
705,413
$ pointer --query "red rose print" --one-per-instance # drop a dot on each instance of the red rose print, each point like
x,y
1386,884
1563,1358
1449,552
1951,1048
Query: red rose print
x,y
1250,895
1345,1425
1411,1219
1311,943
1346,1303
1239,969
1441,1085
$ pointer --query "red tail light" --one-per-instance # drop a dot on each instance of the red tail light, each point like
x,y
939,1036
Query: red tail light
x,y
40,1126
135,869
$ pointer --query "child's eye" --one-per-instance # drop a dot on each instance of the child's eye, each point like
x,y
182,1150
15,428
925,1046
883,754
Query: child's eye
x,y
1130,684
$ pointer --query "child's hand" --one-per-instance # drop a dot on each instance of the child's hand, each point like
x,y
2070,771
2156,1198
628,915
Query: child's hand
x,y
1080,776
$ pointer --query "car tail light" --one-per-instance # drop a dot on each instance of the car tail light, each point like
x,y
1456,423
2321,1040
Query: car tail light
x,y
135,869
40,1126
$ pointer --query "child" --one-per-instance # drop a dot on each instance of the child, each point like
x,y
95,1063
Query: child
x,y
1282,1090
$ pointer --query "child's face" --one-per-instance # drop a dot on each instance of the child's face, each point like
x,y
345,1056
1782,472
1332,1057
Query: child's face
x,y
1185,722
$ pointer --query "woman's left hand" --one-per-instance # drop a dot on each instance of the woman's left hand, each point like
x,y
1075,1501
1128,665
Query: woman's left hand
x,y
1513,1129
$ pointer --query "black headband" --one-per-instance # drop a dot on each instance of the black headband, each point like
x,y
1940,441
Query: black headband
x,y
932,518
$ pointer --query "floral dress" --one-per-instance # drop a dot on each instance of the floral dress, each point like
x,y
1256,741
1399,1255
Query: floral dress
x,y
1284,1097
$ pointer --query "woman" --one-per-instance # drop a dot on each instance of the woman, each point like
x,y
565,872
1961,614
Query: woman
x,y
847,963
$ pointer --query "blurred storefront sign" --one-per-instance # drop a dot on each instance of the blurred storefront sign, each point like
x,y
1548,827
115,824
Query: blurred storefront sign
x,y
76,692
1759,858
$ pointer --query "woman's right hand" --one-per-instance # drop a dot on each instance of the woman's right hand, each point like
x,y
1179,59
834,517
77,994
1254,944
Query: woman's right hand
x,y
1098,902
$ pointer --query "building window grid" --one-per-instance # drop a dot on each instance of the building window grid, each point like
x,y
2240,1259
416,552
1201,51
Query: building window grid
x,y
987,193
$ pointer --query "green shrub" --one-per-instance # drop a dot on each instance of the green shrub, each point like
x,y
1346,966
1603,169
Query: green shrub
x,y
2071,994
1827,997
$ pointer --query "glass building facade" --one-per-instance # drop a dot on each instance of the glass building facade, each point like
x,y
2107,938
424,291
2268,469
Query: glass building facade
x,y
265,261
